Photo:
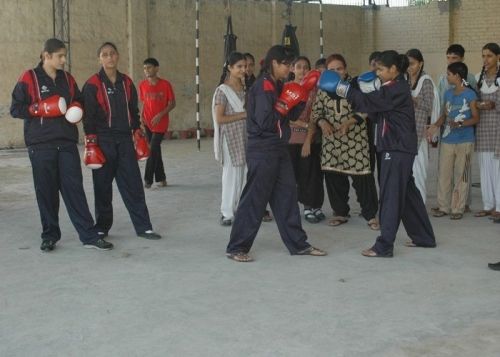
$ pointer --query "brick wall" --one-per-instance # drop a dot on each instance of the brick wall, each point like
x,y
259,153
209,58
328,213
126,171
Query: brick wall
x,y
165,29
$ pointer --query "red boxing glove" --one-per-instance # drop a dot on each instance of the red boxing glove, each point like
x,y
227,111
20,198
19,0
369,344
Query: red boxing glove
x,y
141,145
310,80
51,107
93,157
74,113
292,94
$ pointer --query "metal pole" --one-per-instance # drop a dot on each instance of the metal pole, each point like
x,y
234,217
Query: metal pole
x,y
198,129
321,53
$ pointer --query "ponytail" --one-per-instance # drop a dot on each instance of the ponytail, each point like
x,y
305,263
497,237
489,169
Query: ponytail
x,y
392,58
481,77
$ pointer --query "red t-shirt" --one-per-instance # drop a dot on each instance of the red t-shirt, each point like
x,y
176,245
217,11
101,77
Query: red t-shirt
x,y
155,98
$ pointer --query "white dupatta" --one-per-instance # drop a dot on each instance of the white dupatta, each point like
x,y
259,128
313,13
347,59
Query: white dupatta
x,y
238,107
436,105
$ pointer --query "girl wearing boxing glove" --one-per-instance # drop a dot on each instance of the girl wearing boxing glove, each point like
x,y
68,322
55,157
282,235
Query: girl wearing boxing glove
x,y
305,147
396,141
40,98
270,179
112,125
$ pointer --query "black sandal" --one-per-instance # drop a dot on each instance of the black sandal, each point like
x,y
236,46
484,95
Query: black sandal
x,y
310,216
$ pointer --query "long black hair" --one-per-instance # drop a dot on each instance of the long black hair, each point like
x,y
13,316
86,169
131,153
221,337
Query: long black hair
x,y
278,53
392,58
493,47
50,46
232,59
416,55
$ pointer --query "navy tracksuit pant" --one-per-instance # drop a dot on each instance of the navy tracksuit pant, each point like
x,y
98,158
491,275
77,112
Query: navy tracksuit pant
x,y
270,179
121,164
56,168
400,200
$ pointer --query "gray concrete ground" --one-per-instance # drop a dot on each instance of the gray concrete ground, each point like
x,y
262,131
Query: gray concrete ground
x,y
181,297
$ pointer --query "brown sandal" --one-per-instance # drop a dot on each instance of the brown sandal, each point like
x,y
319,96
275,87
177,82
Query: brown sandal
x,y
337,221
313,251
373,254
239,257
483,213
439,213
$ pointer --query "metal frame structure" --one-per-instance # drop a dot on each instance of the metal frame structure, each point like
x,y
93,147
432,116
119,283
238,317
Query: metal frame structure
x,y
60,11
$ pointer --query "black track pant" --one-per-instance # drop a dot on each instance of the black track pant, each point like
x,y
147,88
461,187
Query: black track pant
x,y
337,186
270,179
400,200
121,164
56,168
308,175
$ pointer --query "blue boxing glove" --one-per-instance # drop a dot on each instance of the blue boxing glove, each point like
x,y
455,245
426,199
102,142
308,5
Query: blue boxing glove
x,y
368,82
331,82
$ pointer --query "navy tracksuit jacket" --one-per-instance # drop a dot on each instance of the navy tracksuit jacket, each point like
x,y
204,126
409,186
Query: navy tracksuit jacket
x,y
396,143
53,153
112,113
270,175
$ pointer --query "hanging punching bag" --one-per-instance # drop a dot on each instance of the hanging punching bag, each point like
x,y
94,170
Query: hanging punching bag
x,y
289,39
229,39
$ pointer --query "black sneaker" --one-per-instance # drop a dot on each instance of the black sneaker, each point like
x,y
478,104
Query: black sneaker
x,y
99,244
48,245
225,221
149,235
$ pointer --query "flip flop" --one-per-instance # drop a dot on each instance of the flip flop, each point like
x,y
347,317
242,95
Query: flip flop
x,y
439,214
315,252
483,213
337,221
240,257
373,254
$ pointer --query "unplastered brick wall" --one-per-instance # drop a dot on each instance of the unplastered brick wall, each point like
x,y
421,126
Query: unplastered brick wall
x,y
165,29
475,23
403,28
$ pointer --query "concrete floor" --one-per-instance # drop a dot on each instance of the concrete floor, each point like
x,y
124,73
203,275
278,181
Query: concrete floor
x,y
181,297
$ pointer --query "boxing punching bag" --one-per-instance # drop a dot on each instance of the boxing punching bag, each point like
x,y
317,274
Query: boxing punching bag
x,y
289,39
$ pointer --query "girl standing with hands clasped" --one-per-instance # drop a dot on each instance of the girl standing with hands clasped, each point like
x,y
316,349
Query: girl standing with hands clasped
x,y
270,174
230,135
396,141
457,142
427,107
488,131
345,152
305,148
